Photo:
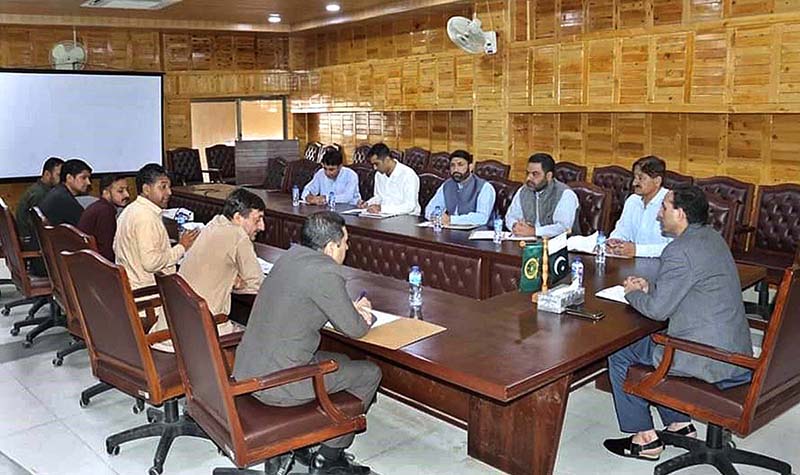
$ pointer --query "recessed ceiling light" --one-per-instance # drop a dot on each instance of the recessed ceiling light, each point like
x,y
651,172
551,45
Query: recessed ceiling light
x,y
275,14
333,7
274,19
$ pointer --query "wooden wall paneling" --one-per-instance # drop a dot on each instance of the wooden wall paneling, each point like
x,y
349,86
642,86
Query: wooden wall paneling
x,y
789,70
300,130
460,130
338,90
202,51
599,15
344,45
631,13
749,7
376,120
544,14
391,130
17,47
405,130
671,66
465,73
410,82
666,140
518,77
394,83
570,73
667,12
446,81
599,139
544,77
438,41
752,55
351,93
632,66
419,33
705,140
333,48
177,51
402,37
359,44
244,52
386,47
544,130
379,79
439,125
631,137
224,52
785,142
571,138
106,49
422,129
782,6
709,68
364,93
747,147
600,71
519,20
178,123
427,82
704,10
520,142
43,40
572,17
324,131
145,51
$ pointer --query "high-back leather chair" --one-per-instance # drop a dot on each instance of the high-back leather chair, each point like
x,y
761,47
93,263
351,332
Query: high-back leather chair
x,y
566,172
276,170
396,154
184,163
775,387
120,352
299,173
428,184
312,151
245,429
742,193
775,230
618,181
673,179
416,158
35,290
223,158
366,179
595,207
504,193
439,163
360,154
722,216
326,149
492,170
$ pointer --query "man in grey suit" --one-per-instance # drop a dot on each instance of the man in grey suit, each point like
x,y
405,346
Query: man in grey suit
x,y
304,291
697,289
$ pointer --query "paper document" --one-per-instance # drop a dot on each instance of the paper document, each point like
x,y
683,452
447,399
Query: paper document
x,y
585,244
355,211
616,293
381,318
465,227
507,236
265,266
377,215
192,226
394,332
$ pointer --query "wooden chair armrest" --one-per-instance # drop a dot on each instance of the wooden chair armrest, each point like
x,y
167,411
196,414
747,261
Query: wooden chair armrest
x,y
157,337
220,318
31,254
231,340
145,291
286,376
757,323
708,351
744,230
150,303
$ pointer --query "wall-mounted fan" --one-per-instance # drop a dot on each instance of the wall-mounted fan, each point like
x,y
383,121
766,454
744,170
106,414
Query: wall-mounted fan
x,y
469,36
68,54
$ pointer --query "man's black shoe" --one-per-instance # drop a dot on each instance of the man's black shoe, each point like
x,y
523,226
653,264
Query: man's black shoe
x,y
279,465
339,466
306,455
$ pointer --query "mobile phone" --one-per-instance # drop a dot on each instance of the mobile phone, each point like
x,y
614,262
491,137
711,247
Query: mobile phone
x,y
583,313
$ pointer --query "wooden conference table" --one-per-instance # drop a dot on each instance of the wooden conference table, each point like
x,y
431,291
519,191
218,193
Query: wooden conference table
x,y
502,369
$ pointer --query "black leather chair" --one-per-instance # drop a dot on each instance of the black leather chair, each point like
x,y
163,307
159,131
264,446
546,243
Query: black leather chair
x,y
223,158
428,184
566,172
618,181
504,194
722,216
416,158
492,170
276,170
595,207
312,151
366,179
360,154
439,163
299,173
673,179
742,193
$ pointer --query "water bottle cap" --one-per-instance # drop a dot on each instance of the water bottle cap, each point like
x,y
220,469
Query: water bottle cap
x,y
414,268
577,259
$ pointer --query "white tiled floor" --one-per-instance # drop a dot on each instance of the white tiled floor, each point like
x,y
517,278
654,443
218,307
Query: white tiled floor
x,y
43,429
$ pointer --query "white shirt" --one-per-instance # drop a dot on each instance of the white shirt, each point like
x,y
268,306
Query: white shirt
x,y
639,224
397,193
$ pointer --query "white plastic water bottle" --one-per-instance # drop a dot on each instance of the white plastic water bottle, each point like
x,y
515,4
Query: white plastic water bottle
x,y
180,219
498,230
437,219
295,196
332,201
577,272
600,255
415,290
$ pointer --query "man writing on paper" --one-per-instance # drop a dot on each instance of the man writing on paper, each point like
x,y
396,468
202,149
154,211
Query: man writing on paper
x,y
464,197
396,185
100,218
333,177
638,233
304,291
697,289
223,258
544,206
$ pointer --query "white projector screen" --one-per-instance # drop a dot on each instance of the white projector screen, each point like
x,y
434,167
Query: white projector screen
x,y
111,121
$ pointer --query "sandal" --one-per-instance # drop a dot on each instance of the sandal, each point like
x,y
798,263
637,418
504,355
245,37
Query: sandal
x,y
625,447
687,431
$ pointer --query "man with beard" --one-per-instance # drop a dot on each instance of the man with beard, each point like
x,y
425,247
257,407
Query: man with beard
x,y
100,218
638,232
51,175
60,205
141,244
464,198
544,206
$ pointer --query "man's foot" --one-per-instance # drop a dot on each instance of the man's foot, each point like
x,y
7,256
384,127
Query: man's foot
x,y
686,431
626,447
306,455
343,465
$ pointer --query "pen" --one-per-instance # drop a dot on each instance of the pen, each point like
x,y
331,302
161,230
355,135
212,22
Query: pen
x,y
361,295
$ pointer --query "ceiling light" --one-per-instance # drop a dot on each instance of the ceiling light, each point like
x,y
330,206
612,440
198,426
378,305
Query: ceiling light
x,y
333,7
274,18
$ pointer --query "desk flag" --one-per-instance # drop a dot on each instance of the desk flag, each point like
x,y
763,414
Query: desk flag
x,y
530,279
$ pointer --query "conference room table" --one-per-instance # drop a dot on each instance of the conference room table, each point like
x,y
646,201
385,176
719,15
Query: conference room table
x,y
502,370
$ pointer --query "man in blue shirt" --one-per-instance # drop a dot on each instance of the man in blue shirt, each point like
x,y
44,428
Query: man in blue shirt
x,y
342,181
464,198
544,206
638,232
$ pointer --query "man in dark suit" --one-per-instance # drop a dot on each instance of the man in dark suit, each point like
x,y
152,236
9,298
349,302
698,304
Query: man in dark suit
x,y
60,205
697,289
304,291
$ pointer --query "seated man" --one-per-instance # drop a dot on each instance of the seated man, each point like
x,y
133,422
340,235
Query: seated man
x,y
100,218
697,289
342,181
396,185
465,198
51,175
223,258
304,291
544,206
637,232
141,244
60,205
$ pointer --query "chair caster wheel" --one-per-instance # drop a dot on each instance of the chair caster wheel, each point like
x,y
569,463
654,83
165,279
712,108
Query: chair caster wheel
x,y
112,449
83,402
58,362
14,331
137,410
27,344
155,471
6,311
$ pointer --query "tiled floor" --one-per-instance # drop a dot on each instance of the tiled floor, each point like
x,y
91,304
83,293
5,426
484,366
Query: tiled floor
x,y
44,431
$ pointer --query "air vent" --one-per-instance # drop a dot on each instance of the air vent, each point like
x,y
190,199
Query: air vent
x,y
130,4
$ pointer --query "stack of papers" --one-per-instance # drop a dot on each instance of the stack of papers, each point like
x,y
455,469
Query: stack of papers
x,y
507,236
616,293
585,244
265,266
364,214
